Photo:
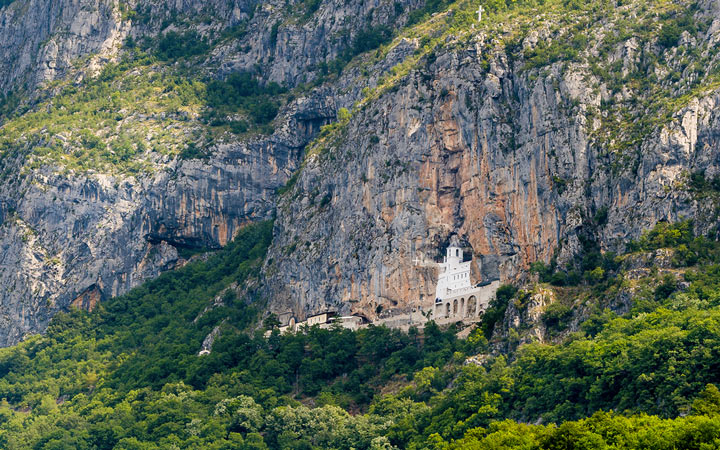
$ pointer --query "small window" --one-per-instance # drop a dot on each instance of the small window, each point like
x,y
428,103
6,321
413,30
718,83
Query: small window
x,y
457,252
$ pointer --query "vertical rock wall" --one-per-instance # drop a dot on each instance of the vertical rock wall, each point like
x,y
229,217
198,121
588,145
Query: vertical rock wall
x,y
493,155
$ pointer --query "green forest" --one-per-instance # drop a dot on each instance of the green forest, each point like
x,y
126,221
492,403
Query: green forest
x,y
128,375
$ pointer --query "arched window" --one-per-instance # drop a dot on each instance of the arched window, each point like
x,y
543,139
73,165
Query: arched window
x,y
472,307
457,252
455,305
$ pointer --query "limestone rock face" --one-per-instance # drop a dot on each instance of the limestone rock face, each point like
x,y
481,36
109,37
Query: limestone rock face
x,y
40,39
70,238
492,155
292,51
43,40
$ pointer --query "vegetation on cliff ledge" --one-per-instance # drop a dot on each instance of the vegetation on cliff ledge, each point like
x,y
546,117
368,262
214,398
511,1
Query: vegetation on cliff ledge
x,y
137,112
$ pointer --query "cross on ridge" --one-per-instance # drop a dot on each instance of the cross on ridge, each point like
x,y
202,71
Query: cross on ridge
x,y
479,12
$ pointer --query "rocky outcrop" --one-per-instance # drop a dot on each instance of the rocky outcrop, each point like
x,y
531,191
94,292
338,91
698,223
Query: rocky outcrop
x,y
41,39
70,238
294,50
431,159
75,235
44,40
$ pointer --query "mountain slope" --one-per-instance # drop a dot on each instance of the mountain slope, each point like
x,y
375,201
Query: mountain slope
x,y
528,135
298,156
544,133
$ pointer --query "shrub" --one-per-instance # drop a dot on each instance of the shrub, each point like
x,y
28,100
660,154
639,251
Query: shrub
x,y
238,126
544,271
664,235
557,316
263,110
311,6
9,103
505,293
665,288
431,6
274,33
191,151
242,91
173,45
325,200
370,39
496,309
601,216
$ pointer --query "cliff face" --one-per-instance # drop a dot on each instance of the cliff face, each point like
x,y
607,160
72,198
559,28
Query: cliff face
x,y
519,138
514,160
43,40
72,236
103,234
40,39
417,167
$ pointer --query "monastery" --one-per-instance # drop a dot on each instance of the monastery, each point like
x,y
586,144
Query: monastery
x,y
455,295
456,299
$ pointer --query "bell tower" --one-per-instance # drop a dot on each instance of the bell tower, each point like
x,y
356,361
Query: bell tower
x,y
453,254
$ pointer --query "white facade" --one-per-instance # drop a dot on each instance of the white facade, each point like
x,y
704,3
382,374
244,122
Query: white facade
x,y
319,319
454,274
456,297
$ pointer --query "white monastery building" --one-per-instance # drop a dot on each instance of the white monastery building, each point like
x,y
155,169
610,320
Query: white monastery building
x,y
456,297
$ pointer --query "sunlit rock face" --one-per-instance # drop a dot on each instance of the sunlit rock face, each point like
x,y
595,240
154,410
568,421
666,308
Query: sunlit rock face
x,y
503,160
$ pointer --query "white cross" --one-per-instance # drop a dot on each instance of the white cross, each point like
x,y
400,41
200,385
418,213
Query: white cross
x,y
480,11
416,261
